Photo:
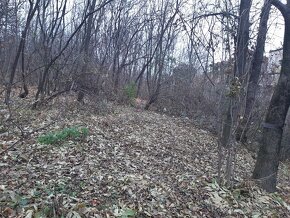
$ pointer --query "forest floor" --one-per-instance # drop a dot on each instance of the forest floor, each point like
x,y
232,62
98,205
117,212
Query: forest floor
x,y
133,163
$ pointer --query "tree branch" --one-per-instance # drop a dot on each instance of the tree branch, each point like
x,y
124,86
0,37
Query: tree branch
x,y
285,11
223,13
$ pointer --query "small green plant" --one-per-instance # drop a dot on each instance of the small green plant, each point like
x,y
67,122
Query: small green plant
x,y
124,212
131,91
63,135
127,212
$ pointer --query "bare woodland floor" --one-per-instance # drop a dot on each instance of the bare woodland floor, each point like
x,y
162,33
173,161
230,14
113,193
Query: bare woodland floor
x,y
132,164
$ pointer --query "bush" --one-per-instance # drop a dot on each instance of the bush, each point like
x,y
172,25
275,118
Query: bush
x,y
65,134
131,91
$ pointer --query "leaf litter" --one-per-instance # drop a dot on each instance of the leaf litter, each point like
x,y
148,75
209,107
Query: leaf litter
x,y
132,164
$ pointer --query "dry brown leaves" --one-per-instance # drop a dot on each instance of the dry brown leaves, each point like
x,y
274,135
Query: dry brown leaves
x,y
132,164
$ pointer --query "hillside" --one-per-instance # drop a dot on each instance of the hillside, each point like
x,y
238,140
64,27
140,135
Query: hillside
x,y
133,163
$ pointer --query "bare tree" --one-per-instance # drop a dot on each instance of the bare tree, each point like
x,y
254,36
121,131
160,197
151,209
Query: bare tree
x,y
234,95
32,9
65,46
239,69
254,73
267,163
86,41
164,42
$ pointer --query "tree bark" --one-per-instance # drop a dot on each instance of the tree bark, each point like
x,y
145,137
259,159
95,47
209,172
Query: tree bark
x,y
267,164
86,44
25,88
243,39
255,72
239,70
32,10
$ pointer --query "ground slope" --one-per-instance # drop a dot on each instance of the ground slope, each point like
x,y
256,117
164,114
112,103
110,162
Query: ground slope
x,y
133,163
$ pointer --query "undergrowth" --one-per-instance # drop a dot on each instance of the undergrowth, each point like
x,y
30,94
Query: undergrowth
x,y
131,92
72,133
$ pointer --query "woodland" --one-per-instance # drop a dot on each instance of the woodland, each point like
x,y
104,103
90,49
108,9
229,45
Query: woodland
x,y
144,108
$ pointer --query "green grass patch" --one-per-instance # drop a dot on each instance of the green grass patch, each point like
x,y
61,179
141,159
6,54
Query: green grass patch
x,y
72,133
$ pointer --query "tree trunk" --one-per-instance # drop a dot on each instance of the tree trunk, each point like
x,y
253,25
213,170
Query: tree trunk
x,y
234,104
267,164
86,45
243,39
25,88
239,71
32,10
255,72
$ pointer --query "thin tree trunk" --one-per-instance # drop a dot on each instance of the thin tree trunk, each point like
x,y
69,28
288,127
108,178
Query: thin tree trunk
x,y
25,88
239,70
255,72
32,10
234,103
87,40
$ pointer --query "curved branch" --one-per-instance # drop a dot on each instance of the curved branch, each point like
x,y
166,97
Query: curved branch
x,y
285,11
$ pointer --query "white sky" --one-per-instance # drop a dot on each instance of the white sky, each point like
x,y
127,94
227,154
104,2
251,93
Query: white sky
x,y
276,31
276,22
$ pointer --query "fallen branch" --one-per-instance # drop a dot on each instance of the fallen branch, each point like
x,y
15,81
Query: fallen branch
x,y
39,102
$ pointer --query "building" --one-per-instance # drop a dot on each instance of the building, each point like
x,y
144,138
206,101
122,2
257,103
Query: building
x,y
274,66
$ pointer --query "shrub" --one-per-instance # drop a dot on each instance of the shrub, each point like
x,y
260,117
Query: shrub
x,y
65,134
131,91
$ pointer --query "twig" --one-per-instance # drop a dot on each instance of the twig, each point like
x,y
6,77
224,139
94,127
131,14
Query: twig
x,y
39,102
25,136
